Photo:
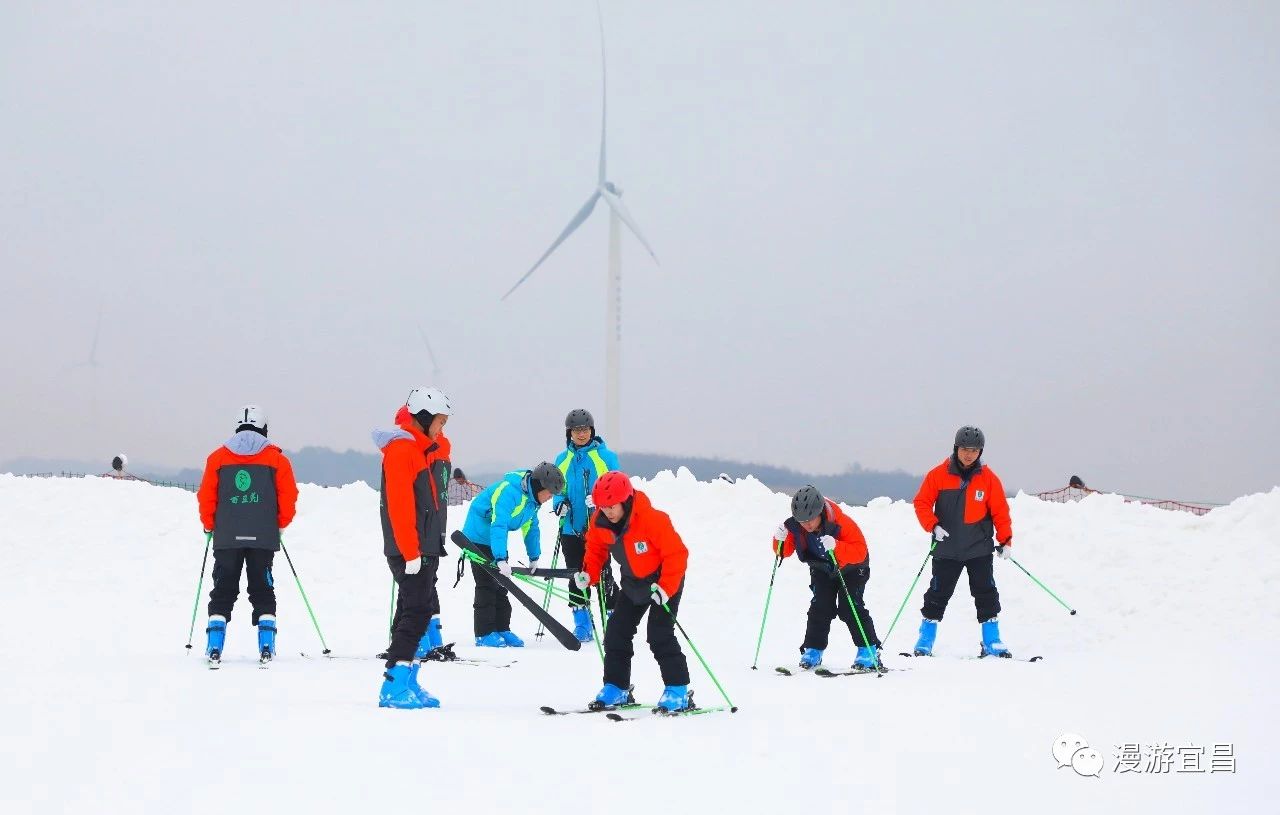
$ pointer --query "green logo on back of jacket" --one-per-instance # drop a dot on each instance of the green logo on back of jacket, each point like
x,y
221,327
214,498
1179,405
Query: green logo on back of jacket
x,y
243,480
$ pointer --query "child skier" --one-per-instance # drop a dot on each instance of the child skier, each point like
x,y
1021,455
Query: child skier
x,y
817,528
584,459
508,504
431,647
961,502
413,539
247,496
652,558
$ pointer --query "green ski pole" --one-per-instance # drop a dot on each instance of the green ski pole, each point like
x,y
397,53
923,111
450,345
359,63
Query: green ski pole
x,y
932,544
304,598
1037,582
546,598
732,707
208,539
777,561
857,618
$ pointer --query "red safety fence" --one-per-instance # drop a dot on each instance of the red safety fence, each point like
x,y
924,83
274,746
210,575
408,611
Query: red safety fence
x,y
1069,493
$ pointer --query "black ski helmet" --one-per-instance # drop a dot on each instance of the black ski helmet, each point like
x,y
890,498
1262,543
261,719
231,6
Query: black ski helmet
x,y
970,436
579,417
806,504
546,476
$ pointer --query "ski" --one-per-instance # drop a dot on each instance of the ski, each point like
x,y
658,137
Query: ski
x,y
214,661
475,663
1011,658
563,635
781,671
550,711
826,674
663,713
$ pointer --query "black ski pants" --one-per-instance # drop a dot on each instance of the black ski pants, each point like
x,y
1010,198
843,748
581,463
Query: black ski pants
x,y
829,603
575,551
227,565
492,607
621,630
982,585
414,601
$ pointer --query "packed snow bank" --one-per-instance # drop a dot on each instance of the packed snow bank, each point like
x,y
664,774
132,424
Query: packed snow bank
x,y
104,711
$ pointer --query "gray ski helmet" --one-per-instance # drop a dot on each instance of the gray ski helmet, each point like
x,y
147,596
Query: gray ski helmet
x,y
579,417
806,504
970,436
549,477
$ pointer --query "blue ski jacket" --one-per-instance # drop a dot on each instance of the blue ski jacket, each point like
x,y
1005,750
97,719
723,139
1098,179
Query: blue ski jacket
x,y
501,508
581,467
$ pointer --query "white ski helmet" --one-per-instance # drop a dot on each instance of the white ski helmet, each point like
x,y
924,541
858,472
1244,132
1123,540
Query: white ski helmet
x,y
252,415
432,400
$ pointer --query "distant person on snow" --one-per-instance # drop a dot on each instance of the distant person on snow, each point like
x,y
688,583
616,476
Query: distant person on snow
x,y
508,504
962,503
584,459
460,489
652,558
816,529
247,496
412,537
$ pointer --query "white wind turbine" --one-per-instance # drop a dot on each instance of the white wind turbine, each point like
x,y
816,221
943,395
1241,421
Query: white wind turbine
x,y
618,213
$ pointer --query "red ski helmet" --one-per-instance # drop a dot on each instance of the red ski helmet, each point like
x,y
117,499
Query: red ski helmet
x,y
613,487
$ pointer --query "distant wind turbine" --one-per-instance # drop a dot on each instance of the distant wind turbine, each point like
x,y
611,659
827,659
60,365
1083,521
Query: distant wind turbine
x,y
612,196
435,366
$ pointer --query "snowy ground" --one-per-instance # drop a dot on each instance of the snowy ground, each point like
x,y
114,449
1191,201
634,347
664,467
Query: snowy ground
x,y
103,711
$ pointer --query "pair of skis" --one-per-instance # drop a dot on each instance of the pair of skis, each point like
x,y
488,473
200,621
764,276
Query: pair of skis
x,y
991,657
637,711
826,673
468,661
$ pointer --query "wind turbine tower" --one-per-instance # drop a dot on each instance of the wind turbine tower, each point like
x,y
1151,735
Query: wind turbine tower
x,y
618,217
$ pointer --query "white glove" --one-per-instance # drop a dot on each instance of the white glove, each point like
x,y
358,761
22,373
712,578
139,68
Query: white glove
x,y
562,510
504,568
413,566
533,565
591,504
581,579
780,534
658,596
828,543
1003,550
940,534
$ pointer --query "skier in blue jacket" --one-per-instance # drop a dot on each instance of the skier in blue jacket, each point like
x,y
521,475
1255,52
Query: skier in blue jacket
x,y
584,459
508,504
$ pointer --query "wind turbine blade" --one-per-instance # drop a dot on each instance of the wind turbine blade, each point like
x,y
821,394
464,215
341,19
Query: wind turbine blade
x,y
435,366
604,97
616,204
582,215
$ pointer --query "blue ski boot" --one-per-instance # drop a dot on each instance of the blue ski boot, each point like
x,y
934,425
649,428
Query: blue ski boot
x,y
492,640
435,634
928,633
611,696
398,689
810,658
511,640
991,644
867,660
266,638
427,699
582,624
675,698
217,632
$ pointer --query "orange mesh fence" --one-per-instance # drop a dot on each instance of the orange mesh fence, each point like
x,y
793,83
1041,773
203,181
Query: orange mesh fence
x,y
1068,494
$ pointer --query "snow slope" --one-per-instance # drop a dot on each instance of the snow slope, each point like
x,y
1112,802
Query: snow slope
x,y
103,711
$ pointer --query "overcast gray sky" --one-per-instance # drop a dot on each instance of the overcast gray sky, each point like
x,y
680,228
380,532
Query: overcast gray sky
x,y
876,222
